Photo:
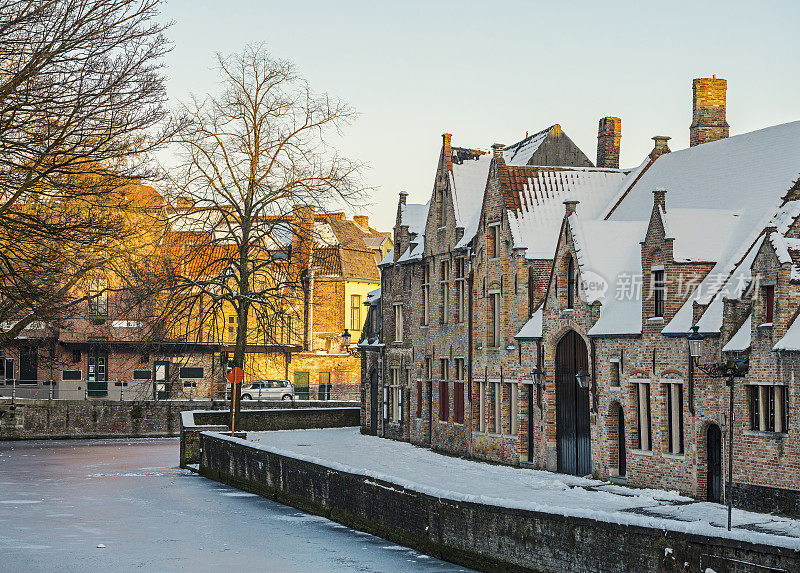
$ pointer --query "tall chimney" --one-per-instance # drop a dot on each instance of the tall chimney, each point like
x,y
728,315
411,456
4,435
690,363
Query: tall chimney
x,y
661,147
708,111
497,149
302,237
609,134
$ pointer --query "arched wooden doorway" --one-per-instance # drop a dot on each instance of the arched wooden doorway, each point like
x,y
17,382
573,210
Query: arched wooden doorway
x,y
714,457
572,407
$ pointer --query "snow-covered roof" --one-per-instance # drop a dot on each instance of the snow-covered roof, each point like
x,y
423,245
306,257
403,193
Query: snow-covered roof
x,y
414,216
616,268
748,173
373,297
388,259
533,328
538,193
520,153
788,252
741,340
470,169
791,340
689,229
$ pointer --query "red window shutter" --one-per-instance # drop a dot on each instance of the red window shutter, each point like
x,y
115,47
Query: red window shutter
x,y
458,402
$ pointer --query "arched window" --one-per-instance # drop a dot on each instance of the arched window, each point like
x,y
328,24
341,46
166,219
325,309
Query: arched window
x,y
570,282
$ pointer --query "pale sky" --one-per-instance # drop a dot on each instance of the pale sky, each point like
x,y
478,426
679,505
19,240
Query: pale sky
x,y
487,72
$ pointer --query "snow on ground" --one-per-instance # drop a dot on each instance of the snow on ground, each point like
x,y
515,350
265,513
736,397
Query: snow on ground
x,y
420,469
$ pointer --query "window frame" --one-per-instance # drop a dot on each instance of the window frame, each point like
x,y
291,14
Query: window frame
x,y
658,277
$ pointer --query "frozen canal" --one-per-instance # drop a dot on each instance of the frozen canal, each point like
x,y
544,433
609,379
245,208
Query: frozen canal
x,y
60,500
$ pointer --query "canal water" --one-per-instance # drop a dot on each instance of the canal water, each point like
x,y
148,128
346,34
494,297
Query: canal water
x,y
123,505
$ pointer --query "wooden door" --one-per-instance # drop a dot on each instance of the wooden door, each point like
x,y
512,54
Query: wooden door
x,y
301,385
714,454
572,407
97,373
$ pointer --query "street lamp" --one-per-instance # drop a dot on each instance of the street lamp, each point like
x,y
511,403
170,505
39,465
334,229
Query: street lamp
x,y
582,377
729,370
346,339
536,376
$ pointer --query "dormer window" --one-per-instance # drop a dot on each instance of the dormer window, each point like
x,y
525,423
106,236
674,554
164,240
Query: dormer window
x,y
571,282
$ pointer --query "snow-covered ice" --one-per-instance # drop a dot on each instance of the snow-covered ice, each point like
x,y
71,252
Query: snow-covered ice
x,y
420,469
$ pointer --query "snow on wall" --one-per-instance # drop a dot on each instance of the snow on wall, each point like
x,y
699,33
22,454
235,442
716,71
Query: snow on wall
x,y
741,340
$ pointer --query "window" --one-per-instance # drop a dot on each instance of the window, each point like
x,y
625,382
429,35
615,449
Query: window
x,y
72,374
444,292
570,283
426,294
442,209
674,393
615,373
428,368
142,374
76,356
98,297
493,325
395,395
398,322
191,372
769,303
355,312
498,399
481,405
232,325
643,415
458,391
658,293
444,364
769,408
531,300
419,398
461,290
493,240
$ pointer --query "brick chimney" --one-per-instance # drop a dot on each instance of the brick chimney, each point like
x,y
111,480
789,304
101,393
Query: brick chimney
x,y
661,147
708,111
570,205
609,134
302,235
660,198
497,149
361,220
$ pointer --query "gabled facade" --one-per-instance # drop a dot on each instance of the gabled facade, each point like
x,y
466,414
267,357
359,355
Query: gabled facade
x,y
593,277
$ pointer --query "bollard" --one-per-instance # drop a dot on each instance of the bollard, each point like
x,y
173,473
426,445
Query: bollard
x,y
13,390
191,391
50,392
122,393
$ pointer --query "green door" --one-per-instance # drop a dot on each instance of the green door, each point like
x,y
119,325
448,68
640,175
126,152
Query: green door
x,y
301,385
97,373
161,380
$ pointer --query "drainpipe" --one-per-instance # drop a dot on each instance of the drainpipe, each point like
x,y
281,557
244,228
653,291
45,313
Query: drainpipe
x,y
594,374
470,279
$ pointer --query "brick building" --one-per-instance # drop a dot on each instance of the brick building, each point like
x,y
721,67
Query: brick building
x,y
594,276
106,348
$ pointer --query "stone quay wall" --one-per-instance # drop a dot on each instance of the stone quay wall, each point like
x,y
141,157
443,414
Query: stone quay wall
x,y
58,419
193,423
480,536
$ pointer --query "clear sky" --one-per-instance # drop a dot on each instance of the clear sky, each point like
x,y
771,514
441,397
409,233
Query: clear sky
x,y
488,72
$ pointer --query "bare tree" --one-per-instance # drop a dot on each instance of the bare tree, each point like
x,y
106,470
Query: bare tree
x,y
249,156
81,110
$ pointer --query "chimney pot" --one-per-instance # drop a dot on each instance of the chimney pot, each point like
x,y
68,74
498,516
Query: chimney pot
x,y
497,149
659,198
708,110
609,134
570,205
403,197
661,146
